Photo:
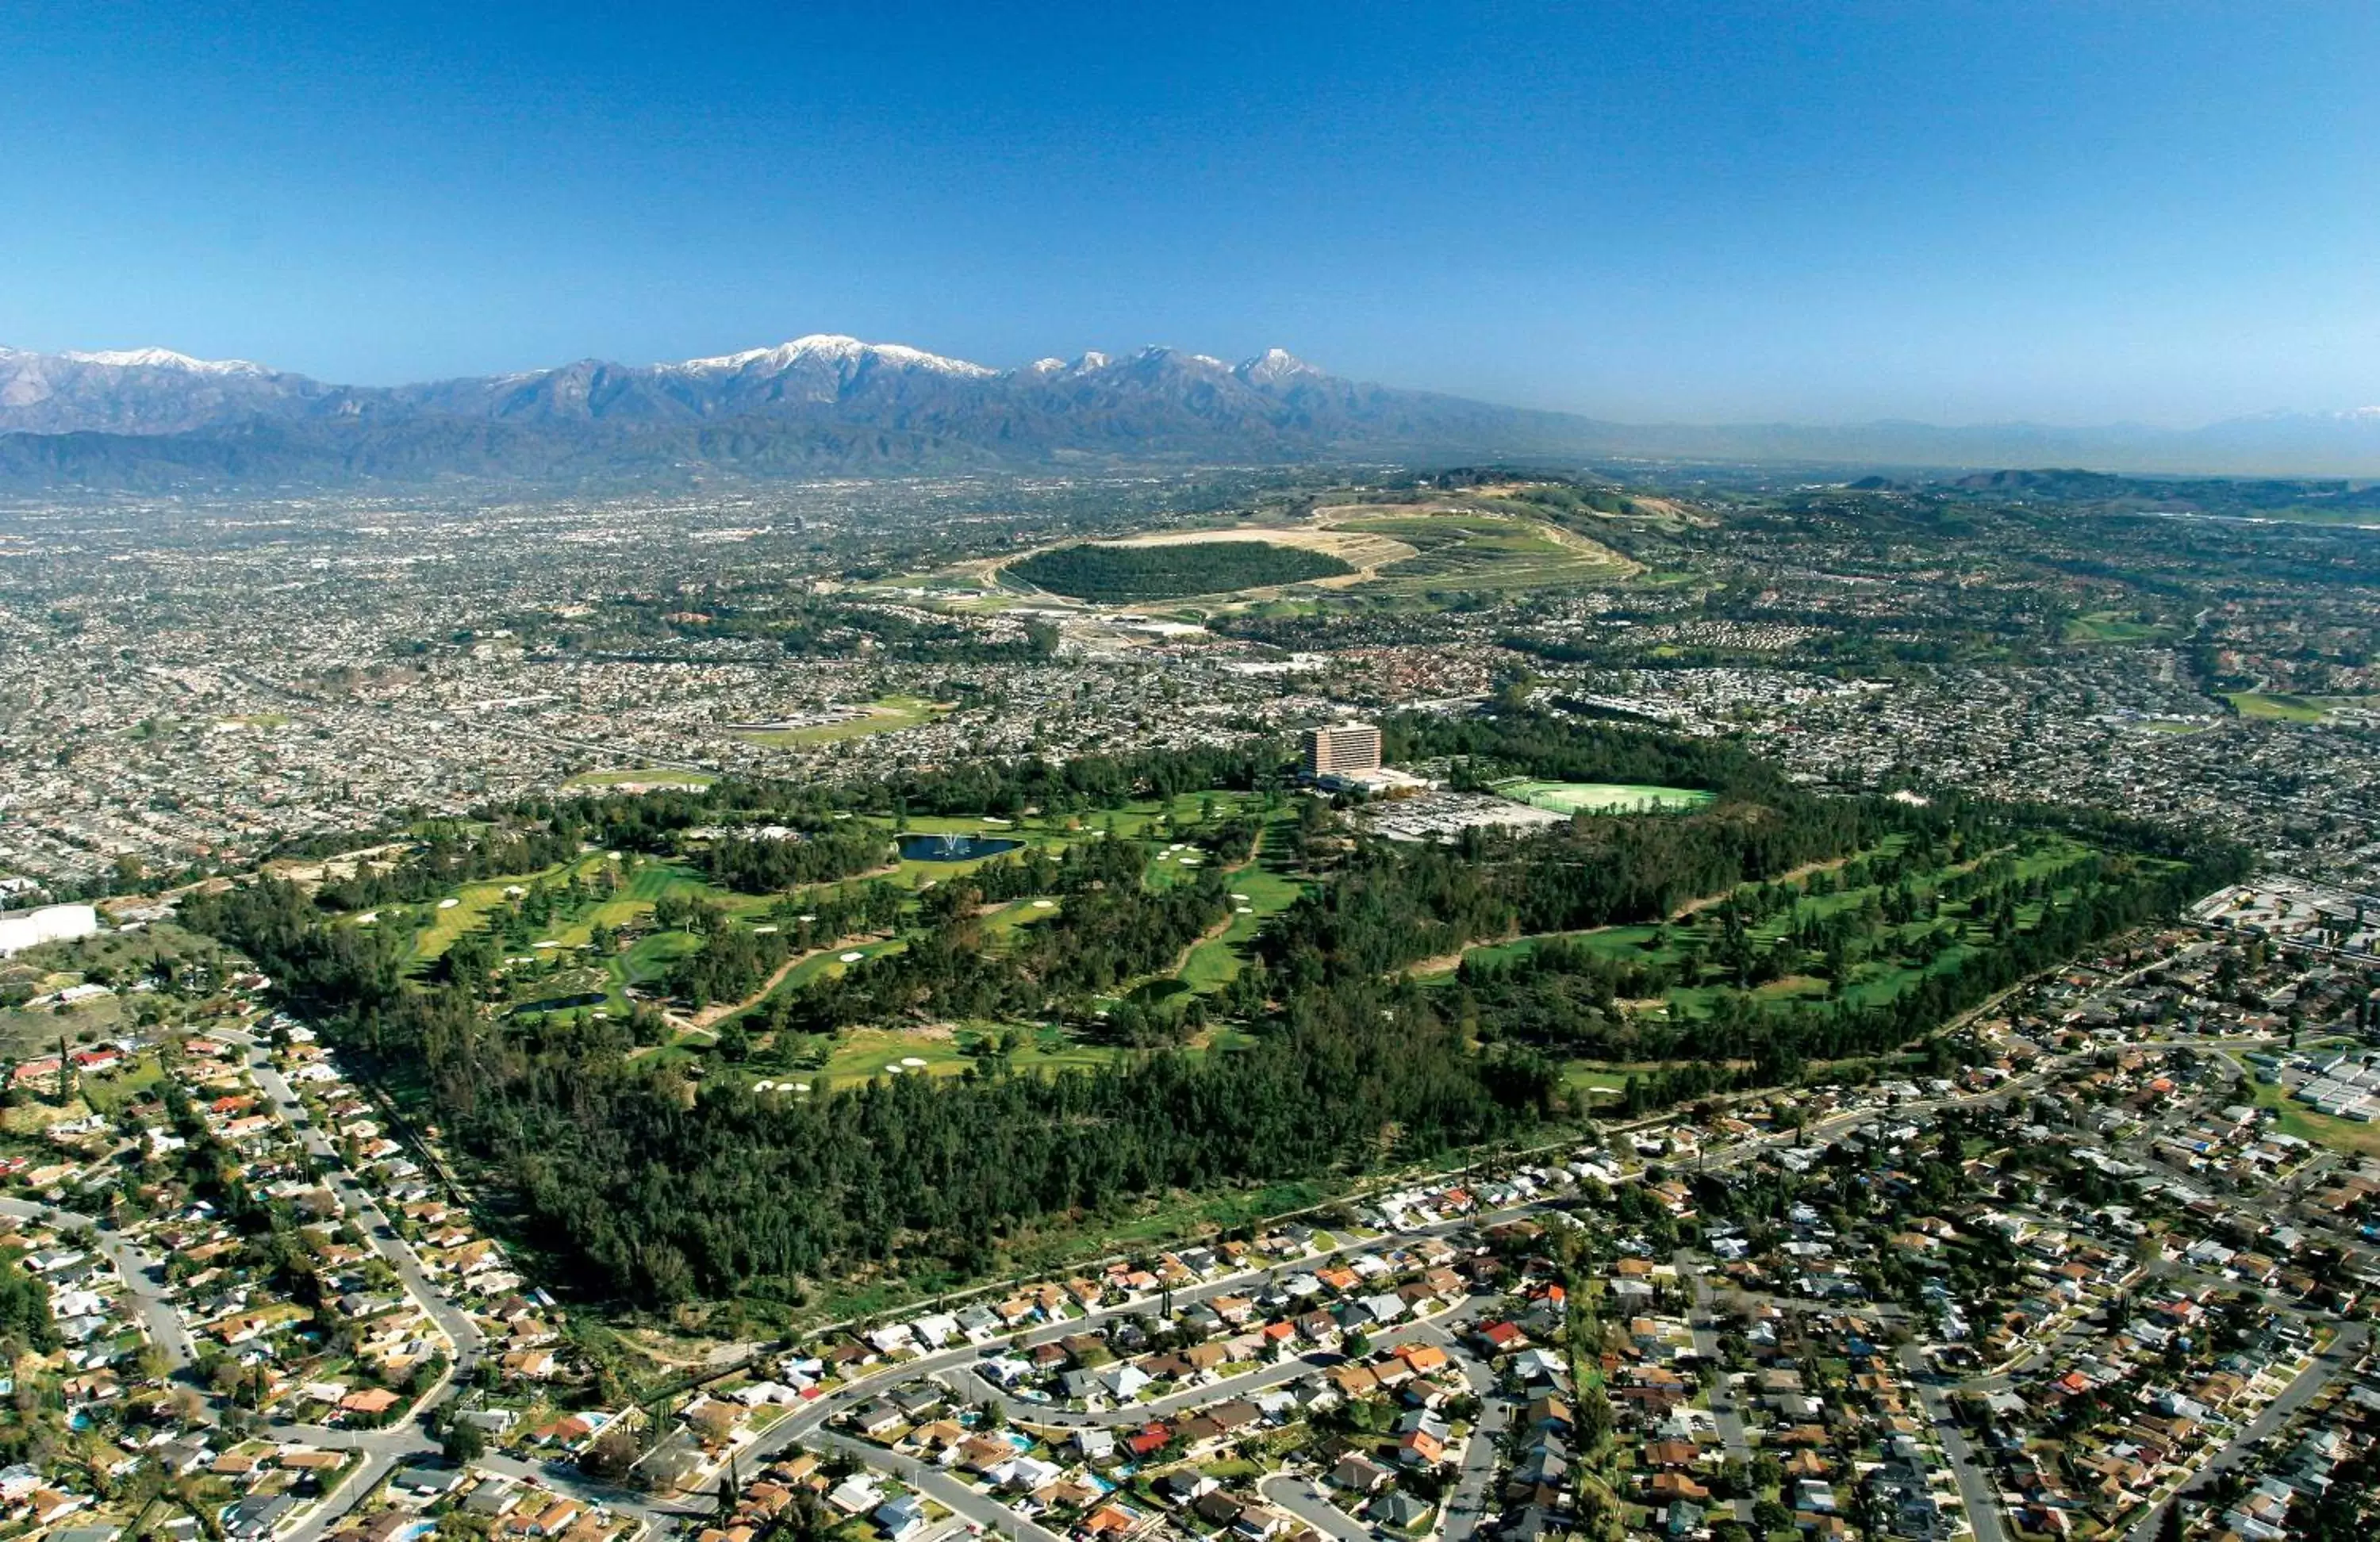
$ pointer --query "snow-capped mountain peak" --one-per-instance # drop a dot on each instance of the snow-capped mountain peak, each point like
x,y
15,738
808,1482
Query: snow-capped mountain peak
x,y
1160,354
1054,368
163,359
837,348
1275,365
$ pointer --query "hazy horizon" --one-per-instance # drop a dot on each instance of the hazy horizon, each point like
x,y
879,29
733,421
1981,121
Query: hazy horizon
x,y
2047,213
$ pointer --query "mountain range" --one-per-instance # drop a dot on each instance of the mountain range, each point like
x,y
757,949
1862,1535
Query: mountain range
x,y
151,419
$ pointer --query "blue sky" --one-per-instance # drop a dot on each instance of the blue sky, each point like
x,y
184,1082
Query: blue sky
x,y
2067,211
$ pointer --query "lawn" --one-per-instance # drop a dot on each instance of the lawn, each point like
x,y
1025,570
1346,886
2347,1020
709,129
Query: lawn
x,y
2276,707
108,1096
2296,1119
1884,975
1601,797
884,715
863,1054
1211,964
2115,627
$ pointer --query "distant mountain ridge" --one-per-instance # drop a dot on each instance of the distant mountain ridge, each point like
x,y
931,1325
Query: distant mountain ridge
x,y
151,420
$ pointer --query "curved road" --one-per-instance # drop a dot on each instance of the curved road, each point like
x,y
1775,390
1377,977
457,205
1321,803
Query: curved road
x,y
143,1277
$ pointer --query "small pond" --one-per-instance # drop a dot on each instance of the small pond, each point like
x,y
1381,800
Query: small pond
x,y
953,848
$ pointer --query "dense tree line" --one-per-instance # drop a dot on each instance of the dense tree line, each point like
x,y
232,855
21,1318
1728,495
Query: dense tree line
x,y
25,1320
1101,938
806,626
443,860
733,963
1561,750
1564,997
666,1189
738,1192
754,866
340,973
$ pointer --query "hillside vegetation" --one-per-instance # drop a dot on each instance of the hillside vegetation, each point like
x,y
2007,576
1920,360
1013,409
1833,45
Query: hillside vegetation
x,y
1124,574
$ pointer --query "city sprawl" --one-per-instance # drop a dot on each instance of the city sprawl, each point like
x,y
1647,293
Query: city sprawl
x,y
1398,1005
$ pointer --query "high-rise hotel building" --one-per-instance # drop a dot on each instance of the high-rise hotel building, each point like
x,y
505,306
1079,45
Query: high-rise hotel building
x,y
1341,748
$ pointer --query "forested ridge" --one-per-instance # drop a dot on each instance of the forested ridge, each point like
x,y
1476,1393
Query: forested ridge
x,y
666,1190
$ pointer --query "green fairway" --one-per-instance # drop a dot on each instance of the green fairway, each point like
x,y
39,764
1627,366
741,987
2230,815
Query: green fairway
x,y
485,904
1601,797
2115,627
1887,962
650,957
884,715
649,882
1212,964
1894,929
863,1054
1594,1078
2280,707
829,961
457,913
1020,912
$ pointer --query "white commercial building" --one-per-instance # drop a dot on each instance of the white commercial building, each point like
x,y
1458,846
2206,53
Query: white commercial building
x,y
52,922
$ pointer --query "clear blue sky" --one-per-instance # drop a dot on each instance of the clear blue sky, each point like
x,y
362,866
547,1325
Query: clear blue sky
x,y
2064,210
